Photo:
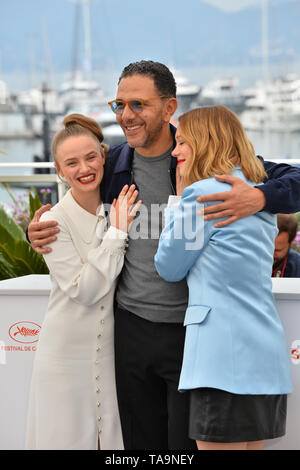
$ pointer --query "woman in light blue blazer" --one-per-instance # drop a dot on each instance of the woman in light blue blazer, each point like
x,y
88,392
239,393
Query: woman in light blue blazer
x,y
235,365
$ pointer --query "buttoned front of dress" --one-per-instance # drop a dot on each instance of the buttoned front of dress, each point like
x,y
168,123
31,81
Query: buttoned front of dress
x,y
98,369
73,401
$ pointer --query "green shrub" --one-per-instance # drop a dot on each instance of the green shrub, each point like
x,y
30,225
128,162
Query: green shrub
x,y
17,257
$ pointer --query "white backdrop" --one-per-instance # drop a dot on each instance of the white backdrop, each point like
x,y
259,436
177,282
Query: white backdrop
x,y
23,302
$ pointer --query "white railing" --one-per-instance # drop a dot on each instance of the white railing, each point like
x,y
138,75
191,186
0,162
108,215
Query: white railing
x,y
289,161
33,178
53,178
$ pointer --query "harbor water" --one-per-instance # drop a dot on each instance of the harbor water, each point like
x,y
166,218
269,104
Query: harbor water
x,y
17,151
270,145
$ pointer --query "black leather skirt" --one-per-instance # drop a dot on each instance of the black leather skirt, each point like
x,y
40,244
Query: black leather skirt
x,y
219,416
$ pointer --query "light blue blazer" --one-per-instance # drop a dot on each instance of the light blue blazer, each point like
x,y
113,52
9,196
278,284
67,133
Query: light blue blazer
x,y
234,337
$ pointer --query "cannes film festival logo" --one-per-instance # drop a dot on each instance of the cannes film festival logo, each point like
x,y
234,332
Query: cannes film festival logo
x,y
295,352
25,332
2,353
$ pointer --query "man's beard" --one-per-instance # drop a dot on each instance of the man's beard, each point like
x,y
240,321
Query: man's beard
x,y
149,138
278,262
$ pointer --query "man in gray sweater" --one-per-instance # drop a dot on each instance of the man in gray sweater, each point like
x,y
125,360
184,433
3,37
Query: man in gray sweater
x,y
149,332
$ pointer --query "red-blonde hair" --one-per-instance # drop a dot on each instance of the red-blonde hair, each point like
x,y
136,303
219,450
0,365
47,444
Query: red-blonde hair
x,y
76,125
219,143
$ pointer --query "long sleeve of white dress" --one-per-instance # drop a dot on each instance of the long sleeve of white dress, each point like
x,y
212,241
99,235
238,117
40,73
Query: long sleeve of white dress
x,y
85,282
73,400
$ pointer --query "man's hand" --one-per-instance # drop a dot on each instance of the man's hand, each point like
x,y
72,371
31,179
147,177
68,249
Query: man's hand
x,y
243,200
42,233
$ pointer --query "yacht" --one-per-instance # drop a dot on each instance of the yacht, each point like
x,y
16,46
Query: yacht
x,y
35,100
81,95
35,104
113,135
187,92
103,115
7,101
12,123
275,105
223,91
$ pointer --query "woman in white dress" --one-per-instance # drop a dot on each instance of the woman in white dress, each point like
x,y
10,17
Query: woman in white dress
x,y
73,402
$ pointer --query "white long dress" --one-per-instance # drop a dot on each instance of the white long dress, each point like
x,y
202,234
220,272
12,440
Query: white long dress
x,y
73,401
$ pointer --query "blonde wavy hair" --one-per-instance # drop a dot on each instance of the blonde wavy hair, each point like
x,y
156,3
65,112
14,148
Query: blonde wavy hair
x,y
76,125
219,143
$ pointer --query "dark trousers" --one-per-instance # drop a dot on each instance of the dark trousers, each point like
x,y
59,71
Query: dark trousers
x,y
154,415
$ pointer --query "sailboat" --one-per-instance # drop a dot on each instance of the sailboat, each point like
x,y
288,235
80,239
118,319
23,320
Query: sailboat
x,y
7,104
82,94
223,91
187,92
274,104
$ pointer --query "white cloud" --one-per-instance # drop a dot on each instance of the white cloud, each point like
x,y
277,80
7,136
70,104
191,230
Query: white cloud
x,y
232,5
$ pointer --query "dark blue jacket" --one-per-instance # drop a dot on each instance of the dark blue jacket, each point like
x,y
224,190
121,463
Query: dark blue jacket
x,y
281,189
292,268
289,266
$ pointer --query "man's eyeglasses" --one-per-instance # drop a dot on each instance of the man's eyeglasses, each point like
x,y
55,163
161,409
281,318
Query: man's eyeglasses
x,y
137,106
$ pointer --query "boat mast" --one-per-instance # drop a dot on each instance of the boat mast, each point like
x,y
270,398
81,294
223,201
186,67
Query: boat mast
x,y
46,45
265,72
87,39
265,40
75,44
82,9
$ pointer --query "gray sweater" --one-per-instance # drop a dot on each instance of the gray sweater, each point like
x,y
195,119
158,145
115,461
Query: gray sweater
x,y
140,289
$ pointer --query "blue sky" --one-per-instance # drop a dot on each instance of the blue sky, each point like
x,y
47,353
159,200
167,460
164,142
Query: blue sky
x,y
238,5
38,35
233,5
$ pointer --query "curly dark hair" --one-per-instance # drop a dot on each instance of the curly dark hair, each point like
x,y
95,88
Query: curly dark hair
x,y
287,223
163,78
